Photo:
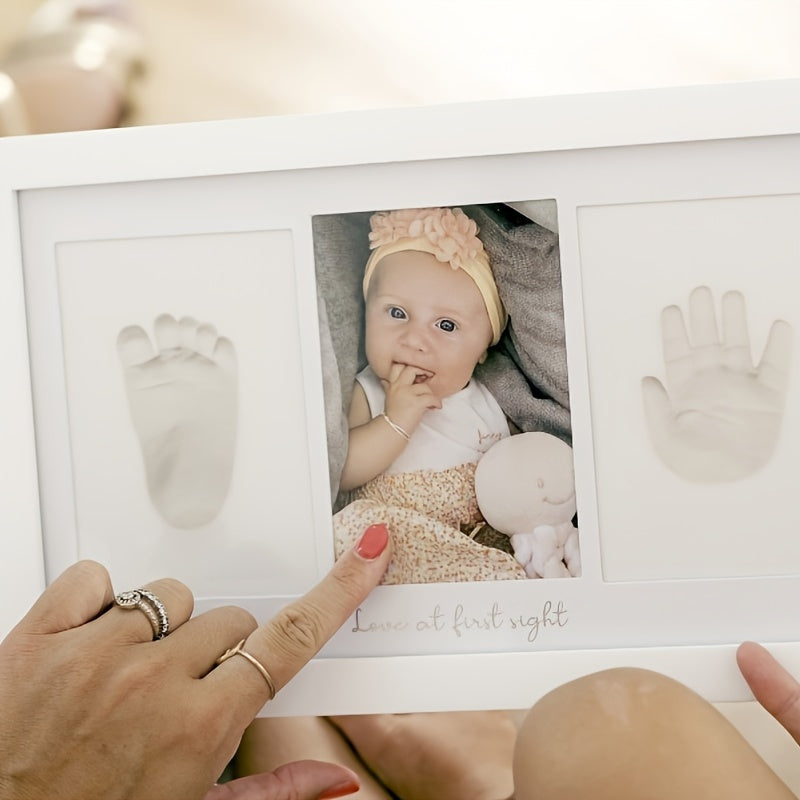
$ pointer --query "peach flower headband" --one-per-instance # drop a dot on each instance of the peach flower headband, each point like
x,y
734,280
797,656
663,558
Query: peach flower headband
x,y
448,234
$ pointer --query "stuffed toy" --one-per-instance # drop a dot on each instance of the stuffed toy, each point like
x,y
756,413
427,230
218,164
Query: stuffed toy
x,y
526,489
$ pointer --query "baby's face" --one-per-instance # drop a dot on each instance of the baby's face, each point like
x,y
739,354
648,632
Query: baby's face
x,y
427,315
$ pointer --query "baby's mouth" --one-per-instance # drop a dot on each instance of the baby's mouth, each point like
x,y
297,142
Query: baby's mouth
x,y
422,374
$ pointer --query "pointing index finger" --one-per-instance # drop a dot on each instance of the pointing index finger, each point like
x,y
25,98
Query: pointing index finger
x,y
294,636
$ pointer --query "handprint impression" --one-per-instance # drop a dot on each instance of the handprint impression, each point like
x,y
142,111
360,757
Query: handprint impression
x,y
717,417
183,405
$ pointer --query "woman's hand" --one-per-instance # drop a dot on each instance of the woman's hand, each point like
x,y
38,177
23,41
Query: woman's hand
x,y
93,708
300,780
771,685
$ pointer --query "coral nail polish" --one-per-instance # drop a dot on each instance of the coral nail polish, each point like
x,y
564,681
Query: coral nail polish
x,y
349,787
373,541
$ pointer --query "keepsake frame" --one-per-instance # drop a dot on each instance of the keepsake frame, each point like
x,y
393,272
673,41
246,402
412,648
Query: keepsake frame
x,y
657,192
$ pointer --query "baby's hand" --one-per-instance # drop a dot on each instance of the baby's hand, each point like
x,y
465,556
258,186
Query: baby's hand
x,y
407,397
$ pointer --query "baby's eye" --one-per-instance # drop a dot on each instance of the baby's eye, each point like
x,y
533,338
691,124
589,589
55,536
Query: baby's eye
x,y
447,325
395,312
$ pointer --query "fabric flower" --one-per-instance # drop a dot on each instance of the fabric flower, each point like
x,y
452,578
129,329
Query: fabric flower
x,y
451,233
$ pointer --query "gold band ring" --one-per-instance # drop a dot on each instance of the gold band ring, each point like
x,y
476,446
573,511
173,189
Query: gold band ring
x,y
240,651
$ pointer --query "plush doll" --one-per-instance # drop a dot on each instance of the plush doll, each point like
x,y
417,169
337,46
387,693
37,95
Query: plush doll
x,y
525,488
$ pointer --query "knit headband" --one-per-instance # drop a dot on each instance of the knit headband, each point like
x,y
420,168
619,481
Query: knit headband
x,y
449,235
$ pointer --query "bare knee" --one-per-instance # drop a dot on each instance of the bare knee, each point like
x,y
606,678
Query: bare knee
x,y
598,728
614,696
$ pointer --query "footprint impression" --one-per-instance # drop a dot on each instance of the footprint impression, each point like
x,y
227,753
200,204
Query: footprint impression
x,y
182,398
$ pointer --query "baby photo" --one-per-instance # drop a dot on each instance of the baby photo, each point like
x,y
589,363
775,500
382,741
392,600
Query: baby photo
x,y
446,388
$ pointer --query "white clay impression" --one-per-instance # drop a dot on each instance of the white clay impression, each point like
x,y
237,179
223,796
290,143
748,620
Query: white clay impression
x,y
182,395
717,416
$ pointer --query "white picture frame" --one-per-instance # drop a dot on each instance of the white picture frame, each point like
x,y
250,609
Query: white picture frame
x,y
697,183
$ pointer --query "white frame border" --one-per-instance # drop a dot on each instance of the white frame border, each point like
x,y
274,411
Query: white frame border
x,y
218,148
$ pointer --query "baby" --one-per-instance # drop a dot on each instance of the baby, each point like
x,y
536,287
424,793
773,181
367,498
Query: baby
x,y
419,421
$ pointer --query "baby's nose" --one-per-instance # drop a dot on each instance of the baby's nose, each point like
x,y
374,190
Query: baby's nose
x,y
414,337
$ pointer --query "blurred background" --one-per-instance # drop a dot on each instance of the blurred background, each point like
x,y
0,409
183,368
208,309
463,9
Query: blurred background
x,y
71,65
213,59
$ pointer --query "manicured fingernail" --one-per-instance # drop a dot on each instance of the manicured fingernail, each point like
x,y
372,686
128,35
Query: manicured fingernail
x,y
340,790
373,541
